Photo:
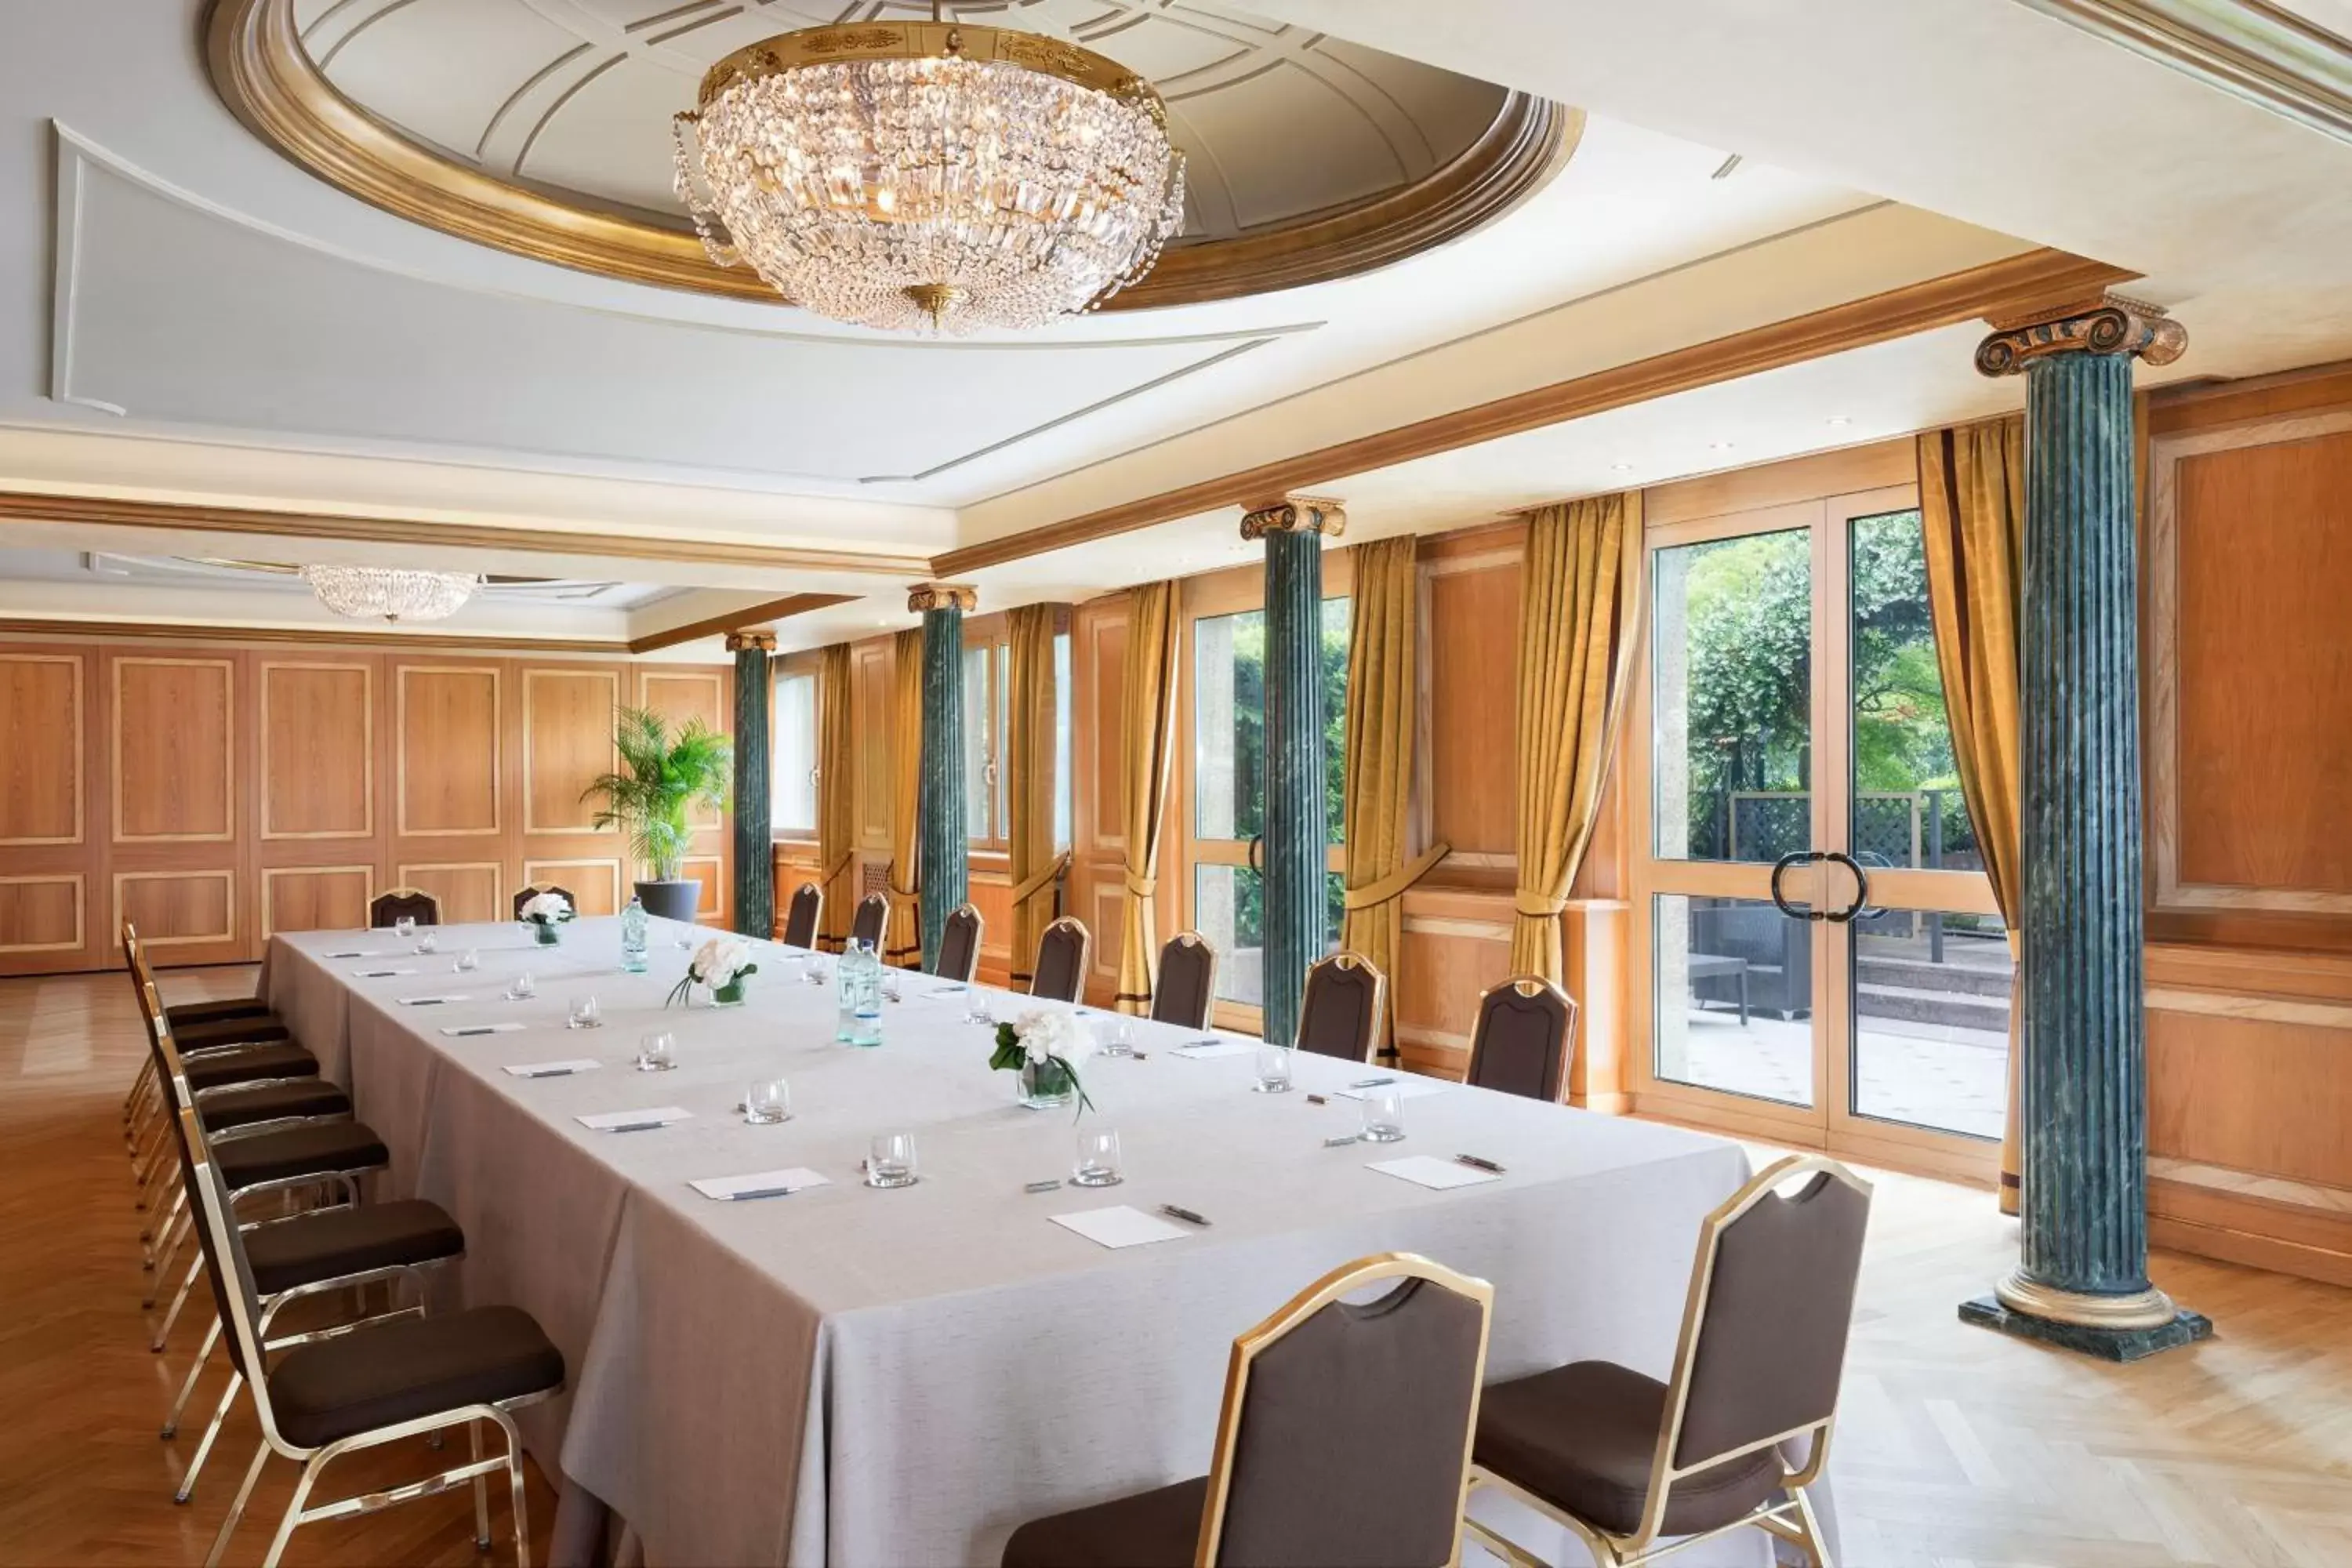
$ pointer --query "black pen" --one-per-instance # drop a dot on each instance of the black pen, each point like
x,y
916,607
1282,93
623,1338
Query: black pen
x,y
480,1029
1475,1162
636,1126
762,1193
1187,1216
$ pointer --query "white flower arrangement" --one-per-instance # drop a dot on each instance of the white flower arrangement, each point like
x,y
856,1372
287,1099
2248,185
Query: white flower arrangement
x,y
722,964
1046,1045
546,909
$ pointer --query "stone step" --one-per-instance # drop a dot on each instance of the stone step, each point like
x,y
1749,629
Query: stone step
x,y
1955,1008
1918,975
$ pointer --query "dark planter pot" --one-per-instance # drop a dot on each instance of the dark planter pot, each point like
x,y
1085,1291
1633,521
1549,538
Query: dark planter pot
x,y
673,900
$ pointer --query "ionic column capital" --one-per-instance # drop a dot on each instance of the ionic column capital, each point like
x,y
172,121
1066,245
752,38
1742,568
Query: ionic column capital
x,y
1296,514
765,641
2108,324
927,596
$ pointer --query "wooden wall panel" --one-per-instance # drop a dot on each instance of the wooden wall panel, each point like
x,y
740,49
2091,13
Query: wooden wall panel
x,y
595,884
567,741
315,898
682,695
445,750
468,890
318,765
178,909
2268,1090
1457,944
711,872
1471,638
870,684
43,717
45,914
174,749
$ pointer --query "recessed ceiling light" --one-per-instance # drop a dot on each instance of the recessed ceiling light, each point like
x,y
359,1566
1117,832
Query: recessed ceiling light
x,y
1838,421
1620,467
1718,445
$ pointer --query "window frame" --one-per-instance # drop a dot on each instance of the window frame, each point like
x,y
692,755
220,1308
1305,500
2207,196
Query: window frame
x,y
808,664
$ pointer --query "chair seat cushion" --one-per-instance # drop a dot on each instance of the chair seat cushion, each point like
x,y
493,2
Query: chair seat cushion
x,y
1158,1528
268,1101
189,1013
308,1151
390,1373
336,1242
255,1030
1583,1436
283,1059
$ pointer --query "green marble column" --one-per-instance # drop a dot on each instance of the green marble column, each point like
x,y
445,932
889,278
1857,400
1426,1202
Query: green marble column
x,y
943,841
1297,827
755,855
2081,1276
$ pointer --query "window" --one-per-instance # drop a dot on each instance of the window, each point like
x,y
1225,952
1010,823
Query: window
x,y
794,784
987,735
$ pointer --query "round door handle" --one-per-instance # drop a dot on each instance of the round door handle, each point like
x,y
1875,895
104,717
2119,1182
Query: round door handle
x,y
1861,888
1780,869
1257,854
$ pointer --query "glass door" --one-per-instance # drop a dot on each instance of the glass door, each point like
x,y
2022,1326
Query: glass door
x,y
1818,958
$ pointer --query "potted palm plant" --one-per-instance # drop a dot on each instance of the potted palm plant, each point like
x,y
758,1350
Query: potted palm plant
x,y
668,773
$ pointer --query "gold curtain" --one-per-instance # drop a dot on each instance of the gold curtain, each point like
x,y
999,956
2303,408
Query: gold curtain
x,y
1579,609
1029,752
836,804
903,944
1972,513
1383,653
1147,711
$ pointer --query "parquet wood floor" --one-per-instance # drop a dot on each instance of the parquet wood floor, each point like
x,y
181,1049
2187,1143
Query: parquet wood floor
x,y
1956,1448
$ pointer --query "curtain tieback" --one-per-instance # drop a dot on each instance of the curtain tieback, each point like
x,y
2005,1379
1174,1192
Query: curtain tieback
x,y
1142,887
838,868
897,894
1394,884
1538,906
1041,880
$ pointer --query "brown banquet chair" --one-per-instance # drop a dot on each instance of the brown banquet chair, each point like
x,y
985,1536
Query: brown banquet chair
x,y
1344,1439
1339,1014
1185,993
1060,974
958,956
530,890
387,909
1520,1045
873,919
801,918
1631,1466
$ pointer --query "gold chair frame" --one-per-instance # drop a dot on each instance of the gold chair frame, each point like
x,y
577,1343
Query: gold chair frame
x,y
1192,939
403,891
1528,985
1792,1519
816,922
1086,952
876,900
1344,1280
978,934
1346,962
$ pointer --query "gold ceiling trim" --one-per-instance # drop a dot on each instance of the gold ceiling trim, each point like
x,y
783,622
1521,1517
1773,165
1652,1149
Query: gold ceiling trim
x,y
262,72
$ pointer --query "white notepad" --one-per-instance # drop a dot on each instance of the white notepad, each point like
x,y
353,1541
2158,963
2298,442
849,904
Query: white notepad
x,y
1208,1050
380,974
481,1028
1120,1226
552,1070
760,1185
1403,1088
434,1001
1429,1170
616,1120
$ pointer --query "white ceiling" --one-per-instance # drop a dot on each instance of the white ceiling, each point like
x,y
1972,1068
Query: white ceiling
x,y
273,341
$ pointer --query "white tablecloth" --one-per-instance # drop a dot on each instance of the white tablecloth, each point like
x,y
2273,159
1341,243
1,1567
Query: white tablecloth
x,y
895,1378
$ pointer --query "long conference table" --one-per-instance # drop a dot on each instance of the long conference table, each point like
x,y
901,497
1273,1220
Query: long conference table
x,y
887,1378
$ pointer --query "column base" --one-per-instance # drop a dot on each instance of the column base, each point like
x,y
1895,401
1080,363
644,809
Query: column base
x,y
2108,1344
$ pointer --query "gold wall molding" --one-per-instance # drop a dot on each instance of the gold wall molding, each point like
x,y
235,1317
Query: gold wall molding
x,y
80,932
2248,48
267,79
1994,288
75,754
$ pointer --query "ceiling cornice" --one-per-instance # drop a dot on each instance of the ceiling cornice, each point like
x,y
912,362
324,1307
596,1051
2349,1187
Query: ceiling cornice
x,y
113,511
85,630
2248,48
750,616
2008,285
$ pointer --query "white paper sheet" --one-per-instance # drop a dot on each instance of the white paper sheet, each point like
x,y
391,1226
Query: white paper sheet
x,y
553,1069
1429,1171
1209,1050
1404,1087
760,1184
1120,1226
434,1001
481,1029
659,1115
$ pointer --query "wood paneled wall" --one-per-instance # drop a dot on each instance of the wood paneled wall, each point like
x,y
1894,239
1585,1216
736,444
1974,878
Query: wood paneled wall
x,y
214,794
2247,653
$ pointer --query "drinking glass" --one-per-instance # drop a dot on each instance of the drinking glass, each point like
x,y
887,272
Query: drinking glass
x,y
404,927
890,992
890,1161
978,1012
585,1014
1273,1070
816,973
658,1052
1118,1036
1098,1163
469,962
767,1101
428,942
523,989
1384,1115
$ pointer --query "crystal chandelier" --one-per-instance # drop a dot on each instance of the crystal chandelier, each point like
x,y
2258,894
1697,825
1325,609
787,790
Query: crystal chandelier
x,y
390,593
931,175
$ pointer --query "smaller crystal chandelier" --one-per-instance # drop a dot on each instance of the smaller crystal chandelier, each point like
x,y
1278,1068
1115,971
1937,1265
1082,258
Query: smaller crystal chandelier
x,y
390,593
